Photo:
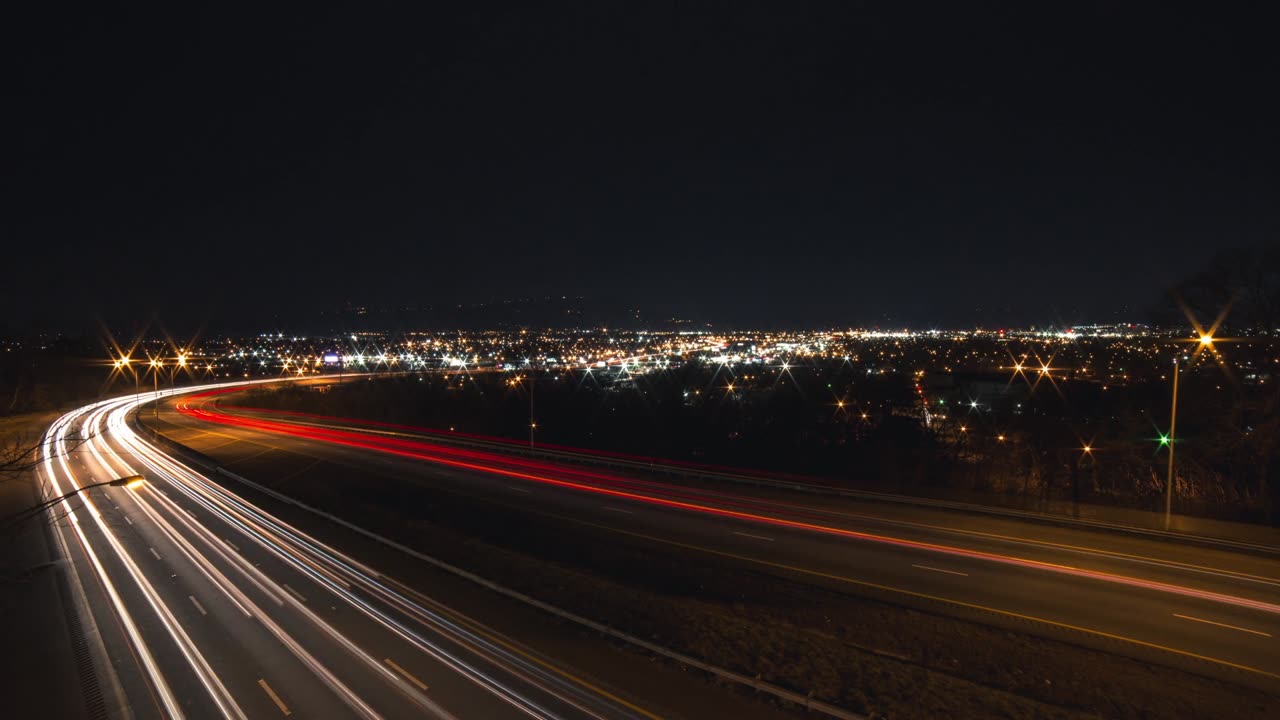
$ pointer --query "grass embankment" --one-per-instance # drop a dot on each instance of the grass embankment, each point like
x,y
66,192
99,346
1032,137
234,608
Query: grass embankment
x,y
867,655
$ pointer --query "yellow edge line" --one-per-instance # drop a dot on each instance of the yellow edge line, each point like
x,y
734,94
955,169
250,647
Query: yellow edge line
x,y
421,685
481,630
1233,627
926,596
1063,546
274,697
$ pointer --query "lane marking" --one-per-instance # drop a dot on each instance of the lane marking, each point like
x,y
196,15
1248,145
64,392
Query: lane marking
x,y
153,552
293,592
519,490
421,685
949,572
483,631
126,519
617,510
232,545
1233,627
757,537
264,451
274,697
912,593
199,607
215,447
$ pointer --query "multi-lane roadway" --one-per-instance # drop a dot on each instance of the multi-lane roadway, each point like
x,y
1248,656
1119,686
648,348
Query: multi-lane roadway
x,y
211,607
1211,610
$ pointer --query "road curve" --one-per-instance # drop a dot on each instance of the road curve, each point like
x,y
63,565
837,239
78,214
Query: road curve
x,y
211,607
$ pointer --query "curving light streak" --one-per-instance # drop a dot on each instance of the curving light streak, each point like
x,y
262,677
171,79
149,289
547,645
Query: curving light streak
x,y
331,569
304,553
271,589
156,677
226,704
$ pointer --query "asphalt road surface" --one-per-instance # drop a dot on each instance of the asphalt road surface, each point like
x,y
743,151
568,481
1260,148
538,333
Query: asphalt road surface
x,y
1209,610
211,607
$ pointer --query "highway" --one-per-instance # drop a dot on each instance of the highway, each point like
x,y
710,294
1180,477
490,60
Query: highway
x,y
209,606
1207,610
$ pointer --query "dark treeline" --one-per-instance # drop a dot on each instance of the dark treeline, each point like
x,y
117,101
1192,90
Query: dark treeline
x,y
42,375
1025,446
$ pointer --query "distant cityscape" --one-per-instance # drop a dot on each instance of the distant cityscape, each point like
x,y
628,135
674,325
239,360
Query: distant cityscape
x,y
1110,355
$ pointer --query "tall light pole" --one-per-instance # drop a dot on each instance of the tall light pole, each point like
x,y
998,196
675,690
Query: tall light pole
x,y
1173,427
1206,343
533,381
182,363
125,362
156,364
10,521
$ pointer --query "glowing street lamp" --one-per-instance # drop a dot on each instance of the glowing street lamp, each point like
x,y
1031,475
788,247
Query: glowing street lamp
x,y
133,482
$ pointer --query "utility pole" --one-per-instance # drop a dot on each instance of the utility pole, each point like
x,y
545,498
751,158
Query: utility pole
x,y
1173,424
155,387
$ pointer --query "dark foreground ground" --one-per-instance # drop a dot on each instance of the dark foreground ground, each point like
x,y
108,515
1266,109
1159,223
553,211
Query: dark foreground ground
x,y
46,668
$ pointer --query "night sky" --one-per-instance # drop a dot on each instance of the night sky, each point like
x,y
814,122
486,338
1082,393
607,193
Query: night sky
x,y
842,163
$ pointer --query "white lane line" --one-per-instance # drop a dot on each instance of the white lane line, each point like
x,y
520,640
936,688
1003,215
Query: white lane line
x,y
199,607
617,510
757,537
153,552
126,519
293,592
1233,627
949,572
519,490
421,685
232,545
274,697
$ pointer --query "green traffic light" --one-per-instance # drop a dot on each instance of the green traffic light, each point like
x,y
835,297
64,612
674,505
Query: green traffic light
x,y
1164,439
